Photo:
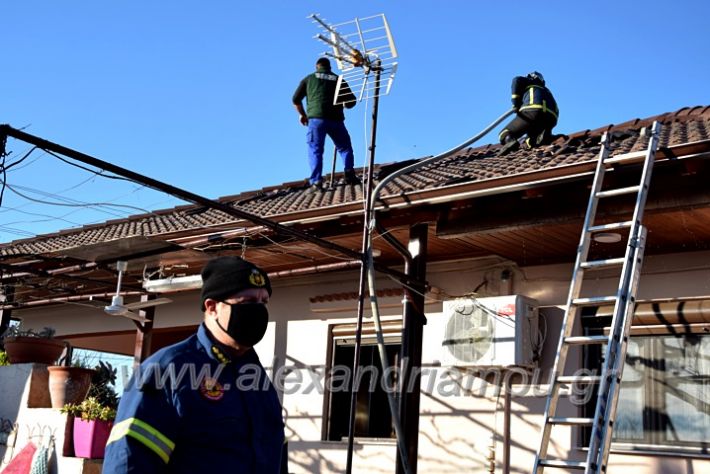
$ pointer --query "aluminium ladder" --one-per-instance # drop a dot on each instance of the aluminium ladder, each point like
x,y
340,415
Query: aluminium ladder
x,y
615,354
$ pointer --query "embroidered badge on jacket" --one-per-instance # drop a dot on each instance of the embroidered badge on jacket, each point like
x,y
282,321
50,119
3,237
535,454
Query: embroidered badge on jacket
x,y
211,389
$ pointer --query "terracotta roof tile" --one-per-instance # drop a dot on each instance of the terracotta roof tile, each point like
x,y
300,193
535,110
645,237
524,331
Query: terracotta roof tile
x,y
686,125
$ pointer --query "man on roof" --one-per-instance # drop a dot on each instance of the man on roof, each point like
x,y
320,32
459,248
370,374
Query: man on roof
x,y
205,404
537,114
324,116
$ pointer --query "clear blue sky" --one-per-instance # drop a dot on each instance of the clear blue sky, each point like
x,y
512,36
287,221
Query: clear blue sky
x,y
198,93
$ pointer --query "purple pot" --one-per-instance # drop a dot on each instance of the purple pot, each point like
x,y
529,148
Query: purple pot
x,y
90,438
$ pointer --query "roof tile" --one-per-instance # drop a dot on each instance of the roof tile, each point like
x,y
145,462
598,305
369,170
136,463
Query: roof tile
x,y
688,124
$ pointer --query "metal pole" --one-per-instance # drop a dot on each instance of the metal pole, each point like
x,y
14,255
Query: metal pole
x,y
413,323
332,170
186,195
507,407
367,190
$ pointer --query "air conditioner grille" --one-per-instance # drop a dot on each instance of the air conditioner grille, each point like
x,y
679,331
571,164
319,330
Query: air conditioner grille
x,y
469,333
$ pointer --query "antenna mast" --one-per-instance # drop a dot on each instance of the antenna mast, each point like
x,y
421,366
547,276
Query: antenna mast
x,y
364,51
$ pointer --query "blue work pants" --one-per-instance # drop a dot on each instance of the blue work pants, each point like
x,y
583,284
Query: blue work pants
x,y
335,129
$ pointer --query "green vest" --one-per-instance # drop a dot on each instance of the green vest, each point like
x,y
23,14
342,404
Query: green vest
x,y
319,91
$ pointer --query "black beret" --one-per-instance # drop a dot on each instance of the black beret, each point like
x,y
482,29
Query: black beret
x,y
225,276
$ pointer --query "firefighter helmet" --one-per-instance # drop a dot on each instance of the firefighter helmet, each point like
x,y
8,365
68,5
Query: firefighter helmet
x,y
536,76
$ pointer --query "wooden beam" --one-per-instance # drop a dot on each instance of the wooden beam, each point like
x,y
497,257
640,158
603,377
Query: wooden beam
x,y
565,204
6,313
144,332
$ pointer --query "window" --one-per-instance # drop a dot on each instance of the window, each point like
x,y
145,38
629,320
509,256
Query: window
x,y
665,392
664,402
372,414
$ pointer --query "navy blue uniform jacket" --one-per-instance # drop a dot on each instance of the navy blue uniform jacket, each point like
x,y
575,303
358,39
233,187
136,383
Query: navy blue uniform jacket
x,y
190,409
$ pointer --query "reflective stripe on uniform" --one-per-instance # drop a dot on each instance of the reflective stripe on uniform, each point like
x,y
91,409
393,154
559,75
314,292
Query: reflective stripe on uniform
x,y
533,105
146,434
539,106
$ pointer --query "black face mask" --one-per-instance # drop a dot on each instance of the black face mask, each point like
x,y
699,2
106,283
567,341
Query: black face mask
x,y
247,323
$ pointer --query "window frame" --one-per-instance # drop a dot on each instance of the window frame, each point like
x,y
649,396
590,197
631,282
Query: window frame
x,y
344,334
654,442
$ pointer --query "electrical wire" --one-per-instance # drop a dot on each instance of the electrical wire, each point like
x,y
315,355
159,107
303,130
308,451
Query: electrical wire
x,y
48,218
68,204
286,250
299,248
3,169
58,193
98,173
62,218
18,232
17,162
29,163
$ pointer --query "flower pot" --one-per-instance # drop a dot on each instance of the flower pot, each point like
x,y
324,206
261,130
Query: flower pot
x,y
68,384
24,349
90,438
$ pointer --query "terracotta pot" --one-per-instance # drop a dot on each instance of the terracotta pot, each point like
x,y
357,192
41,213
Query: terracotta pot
x,y
23,349
90,438
68,384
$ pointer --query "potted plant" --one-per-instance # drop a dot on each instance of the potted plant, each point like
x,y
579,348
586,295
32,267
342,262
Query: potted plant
x,y
69,384
3,359
29,346
93,418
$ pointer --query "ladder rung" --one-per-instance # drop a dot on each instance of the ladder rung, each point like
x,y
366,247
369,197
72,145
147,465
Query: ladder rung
x,y
610,226
632,157
609,262
565,420
561,463
579,378
609,380
618,191
579,340
593,301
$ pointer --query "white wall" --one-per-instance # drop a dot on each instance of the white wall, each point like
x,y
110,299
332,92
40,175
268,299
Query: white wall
x,y
454,430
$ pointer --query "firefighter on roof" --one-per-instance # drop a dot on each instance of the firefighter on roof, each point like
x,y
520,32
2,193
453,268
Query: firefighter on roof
x,y
537,113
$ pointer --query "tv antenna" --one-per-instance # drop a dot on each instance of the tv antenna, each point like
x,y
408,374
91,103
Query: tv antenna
x,y
365,53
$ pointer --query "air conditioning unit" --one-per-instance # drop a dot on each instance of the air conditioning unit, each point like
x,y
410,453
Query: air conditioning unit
x,y
498,331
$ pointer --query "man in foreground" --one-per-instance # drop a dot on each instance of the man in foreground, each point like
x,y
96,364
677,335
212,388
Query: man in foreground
x,y
206,404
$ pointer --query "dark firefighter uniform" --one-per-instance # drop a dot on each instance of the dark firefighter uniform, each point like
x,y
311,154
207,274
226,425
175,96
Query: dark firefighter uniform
x,y
537,113
190,409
